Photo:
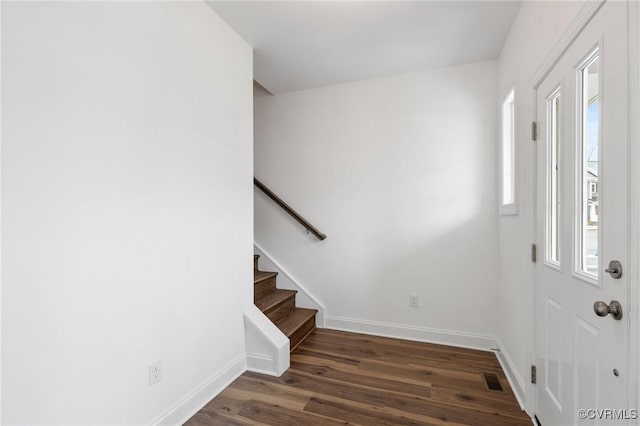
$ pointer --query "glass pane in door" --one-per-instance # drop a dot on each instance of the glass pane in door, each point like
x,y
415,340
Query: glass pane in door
x,y
589,201
553,181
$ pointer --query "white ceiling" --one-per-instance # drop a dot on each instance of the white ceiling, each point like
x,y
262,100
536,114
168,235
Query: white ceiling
x,y
304,44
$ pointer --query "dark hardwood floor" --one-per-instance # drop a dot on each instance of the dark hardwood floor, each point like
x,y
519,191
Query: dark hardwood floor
x,y
339,378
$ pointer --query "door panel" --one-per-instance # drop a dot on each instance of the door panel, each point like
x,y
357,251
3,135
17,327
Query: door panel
x,y
553,359
582,223
585,362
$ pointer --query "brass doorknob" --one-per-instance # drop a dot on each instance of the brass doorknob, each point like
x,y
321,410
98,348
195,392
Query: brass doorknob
x,y
602,309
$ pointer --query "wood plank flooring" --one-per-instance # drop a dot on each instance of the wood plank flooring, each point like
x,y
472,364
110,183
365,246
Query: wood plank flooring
x,y
339,378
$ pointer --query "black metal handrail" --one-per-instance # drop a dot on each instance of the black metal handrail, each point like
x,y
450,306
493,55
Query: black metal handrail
x,y
309,227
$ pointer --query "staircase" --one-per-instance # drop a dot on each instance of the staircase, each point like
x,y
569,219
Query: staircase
x,y
280,307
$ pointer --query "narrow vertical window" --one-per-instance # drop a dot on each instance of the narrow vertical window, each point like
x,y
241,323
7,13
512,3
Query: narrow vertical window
x,y
553,178
588,185
507,160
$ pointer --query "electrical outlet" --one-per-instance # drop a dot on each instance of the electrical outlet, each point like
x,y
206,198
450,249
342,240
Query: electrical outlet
x,y
413,301
155,372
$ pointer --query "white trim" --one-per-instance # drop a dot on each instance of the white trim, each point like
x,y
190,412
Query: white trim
x,y
1,297
556,93
260,363
312,301
580,21
508,210
266,346
634,202
587,278
578,214
200,396
411,332
553,265
516,381
512,207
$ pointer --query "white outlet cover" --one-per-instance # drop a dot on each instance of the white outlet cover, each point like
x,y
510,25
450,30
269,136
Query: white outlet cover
x,y
155,372
413,300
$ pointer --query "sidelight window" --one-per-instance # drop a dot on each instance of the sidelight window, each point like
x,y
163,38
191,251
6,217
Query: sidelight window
x,y
507,198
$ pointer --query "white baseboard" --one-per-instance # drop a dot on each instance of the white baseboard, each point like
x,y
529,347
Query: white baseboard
x,y
259,363
515,379
412,332
199,397
267,348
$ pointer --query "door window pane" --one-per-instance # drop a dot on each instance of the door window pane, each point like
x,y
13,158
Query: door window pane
x,y
553,178
589,186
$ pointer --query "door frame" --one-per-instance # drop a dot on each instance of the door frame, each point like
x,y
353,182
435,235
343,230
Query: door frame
x,y
581,20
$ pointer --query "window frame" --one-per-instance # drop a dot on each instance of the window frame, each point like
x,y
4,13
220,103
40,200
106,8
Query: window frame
x,y
580,189
508,101
556,95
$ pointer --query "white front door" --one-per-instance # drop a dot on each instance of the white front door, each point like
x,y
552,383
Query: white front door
x,y
582,224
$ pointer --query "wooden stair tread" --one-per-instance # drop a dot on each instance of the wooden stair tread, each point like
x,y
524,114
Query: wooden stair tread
x,y
273,299
294,320
259,276
280,306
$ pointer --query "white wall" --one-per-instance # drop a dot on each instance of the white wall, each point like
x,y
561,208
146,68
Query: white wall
x,y
534,33
126,208
400,173
1,172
